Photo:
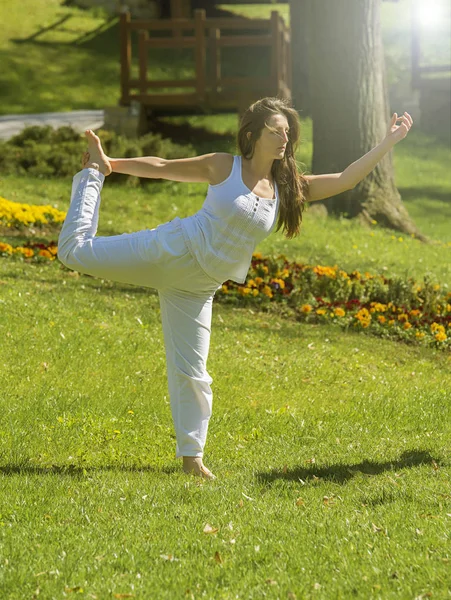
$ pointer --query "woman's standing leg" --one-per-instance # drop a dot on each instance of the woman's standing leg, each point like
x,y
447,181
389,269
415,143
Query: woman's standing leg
x,y
186,319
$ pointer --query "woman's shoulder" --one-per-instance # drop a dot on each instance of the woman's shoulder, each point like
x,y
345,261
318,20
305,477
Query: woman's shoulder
x,y
221,167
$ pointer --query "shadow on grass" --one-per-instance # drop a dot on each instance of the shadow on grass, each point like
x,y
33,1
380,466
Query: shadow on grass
x,y
418,193
342,473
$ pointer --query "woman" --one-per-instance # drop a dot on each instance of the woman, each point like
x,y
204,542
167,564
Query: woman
x,y
187,260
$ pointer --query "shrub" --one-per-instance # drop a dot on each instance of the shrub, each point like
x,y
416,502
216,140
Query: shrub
x,y
45,152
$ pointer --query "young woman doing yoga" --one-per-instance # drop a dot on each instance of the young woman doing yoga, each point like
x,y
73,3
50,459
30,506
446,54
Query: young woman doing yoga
x,y
187,260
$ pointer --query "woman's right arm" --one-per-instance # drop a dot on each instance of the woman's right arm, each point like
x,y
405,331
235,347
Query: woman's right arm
x,y
196,169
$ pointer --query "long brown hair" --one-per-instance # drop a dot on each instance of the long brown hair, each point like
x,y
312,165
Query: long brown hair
x,y
292,185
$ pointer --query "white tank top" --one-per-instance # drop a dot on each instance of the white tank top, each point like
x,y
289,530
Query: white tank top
x,y
223,234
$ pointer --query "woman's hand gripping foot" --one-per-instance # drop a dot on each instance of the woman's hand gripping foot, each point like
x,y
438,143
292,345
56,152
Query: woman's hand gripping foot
x,y
193,465
95,157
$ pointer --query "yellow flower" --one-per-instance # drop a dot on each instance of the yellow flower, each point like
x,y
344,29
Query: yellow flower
x,y
377,307
257,255
265,268
225,289
45,254
255,292
306,308
258,280
437,327
381,319
407,325
403,317
414,312
251,283
321,311
441,336
15,213
339,312
420,335
326,271
267,291
391,322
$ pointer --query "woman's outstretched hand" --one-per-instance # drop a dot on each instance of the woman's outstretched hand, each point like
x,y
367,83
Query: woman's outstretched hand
x,y
398,132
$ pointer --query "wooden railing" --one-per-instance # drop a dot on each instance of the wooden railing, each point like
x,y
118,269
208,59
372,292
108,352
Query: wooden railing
x,y
212,89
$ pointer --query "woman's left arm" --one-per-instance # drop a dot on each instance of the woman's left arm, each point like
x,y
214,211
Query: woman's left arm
x,y
325,186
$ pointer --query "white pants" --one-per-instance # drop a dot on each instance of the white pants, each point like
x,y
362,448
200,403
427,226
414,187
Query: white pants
x,y
156,258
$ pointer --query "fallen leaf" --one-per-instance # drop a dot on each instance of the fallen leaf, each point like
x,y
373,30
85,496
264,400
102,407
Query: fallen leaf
x,y
271,582
218,558
209,529
300,502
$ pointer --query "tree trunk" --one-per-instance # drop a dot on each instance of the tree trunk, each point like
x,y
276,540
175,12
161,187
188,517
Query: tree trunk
x,y
299,56
350,108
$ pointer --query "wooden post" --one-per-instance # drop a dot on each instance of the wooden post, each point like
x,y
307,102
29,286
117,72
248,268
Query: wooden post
x,y
126,57
199,32
415,46
288,61
142,54
275,52
215,56
300,31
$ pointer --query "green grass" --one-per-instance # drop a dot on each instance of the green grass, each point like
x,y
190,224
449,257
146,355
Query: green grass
x,y
331,449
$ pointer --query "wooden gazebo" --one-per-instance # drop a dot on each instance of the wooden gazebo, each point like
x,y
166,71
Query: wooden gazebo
x,y
209,88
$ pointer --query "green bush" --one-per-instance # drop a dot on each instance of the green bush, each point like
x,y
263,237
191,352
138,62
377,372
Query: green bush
x,y
42,151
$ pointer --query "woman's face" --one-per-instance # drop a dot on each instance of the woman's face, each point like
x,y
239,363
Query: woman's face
x,y
274,137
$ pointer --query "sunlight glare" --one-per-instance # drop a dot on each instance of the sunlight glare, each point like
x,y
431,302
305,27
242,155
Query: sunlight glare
x,y
429,14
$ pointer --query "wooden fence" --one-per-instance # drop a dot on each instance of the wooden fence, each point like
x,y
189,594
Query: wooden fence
x,y
211,89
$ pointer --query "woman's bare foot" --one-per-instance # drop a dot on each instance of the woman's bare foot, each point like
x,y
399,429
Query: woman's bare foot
x,y
193,465
95,155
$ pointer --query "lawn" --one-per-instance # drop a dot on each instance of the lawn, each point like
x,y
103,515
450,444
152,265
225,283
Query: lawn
x,y
331,449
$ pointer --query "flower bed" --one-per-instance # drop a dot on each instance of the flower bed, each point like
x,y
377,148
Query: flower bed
x,y
35,251
16,214
394,307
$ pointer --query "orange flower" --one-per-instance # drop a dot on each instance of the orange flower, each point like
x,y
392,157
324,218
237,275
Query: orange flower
x,y
306,308
407,325
27,252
